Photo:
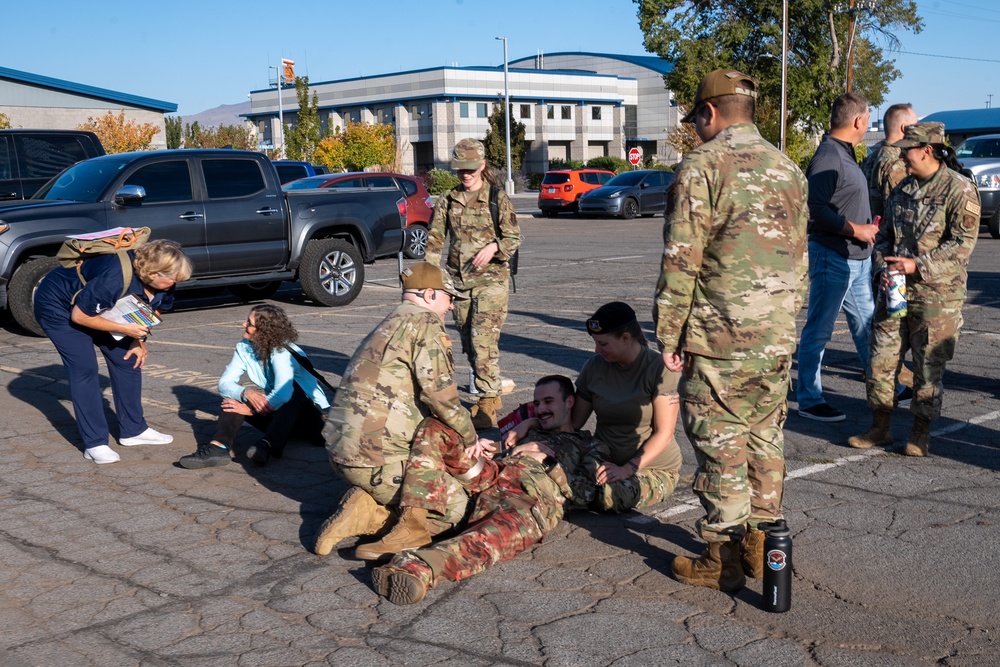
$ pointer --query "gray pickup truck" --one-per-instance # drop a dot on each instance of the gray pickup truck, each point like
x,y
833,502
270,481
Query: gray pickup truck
x,y
226,209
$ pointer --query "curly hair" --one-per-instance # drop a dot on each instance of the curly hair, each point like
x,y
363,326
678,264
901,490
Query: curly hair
x,y
162,256
272,330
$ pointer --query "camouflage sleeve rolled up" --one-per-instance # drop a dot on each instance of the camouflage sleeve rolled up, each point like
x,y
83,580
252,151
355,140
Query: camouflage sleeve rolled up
x,y
734,267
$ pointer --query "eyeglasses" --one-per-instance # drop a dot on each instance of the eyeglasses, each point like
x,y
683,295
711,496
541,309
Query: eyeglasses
x,y
172,277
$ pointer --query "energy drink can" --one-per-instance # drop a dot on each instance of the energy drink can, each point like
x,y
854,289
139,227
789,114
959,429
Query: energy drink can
x,y
895,295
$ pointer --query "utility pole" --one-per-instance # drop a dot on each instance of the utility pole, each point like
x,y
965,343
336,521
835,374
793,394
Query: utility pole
x,y
784,73
509,184
989,101
852,13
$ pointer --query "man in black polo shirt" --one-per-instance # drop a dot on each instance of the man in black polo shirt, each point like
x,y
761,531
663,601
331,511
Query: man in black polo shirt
x,y
841,234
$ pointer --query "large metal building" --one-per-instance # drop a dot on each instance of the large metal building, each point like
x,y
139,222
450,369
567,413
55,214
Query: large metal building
x,y
573,105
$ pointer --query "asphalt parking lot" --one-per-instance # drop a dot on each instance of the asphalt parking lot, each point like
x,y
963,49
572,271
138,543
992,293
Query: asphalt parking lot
x,y
145,563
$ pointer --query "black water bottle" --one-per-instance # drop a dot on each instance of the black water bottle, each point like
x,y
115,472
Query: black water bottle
x,y
777,566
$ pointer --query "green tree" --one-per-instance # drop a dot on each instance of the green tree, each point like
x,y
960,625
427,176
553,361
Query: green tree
x,y
224,136
496,140
698,36
175,133
368,145
301,141
192,135
4,121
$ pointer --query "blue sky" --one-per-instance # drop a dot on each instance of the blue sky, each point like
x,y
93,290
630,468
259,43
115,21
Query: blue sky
x,y
199,55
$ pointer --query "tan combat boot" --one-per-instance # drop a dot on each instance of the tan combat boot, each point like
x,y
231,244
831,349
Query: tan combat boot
x,y
752,553
400,585
357,514
484,413
719,568
409,532
877,435
919,441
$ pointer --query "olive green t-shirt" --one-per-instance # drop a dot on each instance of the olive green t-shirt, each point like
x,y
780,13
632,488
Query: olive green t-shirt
x,y
623,404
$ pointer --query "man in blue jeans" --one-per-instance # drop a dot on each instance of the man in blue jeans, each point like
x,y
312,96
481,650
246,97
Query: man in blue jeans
x,y
841,235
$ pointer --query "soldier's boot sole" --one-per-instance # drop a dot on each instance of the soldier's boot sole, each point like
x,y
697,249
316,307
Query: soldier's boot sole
x,y
398,586
357,514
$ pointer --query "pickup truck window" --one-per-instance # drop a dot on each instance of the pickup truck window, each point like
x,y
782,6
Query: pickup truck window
x,y
45,156
83,182
232,178
163,181
6,159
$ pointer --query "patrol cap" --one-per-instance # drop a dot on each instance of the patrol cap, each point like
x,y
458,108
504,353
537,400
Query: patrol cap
x,y
610,318
718,83
921,134
427,276
468,154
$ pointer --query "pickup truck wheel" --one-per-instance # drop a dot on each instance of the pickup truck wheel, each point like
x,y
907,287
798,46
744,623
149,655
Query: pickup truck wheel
x,y
255,291
994,224
332,272
416,241
21,292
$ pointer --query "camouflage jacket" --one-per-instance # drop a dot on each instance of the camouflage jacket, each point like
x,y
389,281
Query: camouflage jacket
x,y
937,224
578,454
734,271
887,171
402,372
470,228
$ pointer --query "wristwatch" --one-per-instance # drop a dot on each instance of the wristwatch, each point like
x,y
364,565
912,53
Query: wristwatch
x,y
549,462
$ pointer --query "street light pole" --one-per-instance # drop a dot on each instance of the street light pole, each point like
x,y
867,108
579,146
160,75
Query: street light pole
x,y
509,185
784,73
281,120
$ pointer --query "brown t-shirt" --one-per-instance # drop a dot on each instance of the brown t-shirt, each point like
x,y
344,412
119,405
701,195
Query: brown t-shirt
x,y
623,404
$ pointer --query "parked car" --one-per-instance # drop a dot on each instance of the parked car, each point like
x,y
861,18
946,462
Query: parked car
x,y
561,188
29,158
981,156
631,193
289,170
224,207
419,205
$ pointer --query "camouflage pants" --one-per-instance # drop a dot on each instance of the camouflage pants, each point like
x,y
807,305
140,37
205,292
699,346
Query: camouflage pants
x,y
479,320
734,412
647,487
519,508
930,333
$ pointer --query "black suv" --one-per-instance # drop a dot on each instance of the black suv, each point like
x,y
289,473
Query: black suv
x,y
29,158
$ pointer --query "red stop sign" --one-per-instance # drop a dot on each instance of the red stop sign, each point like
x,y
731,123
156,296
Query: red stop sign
x,y
634,155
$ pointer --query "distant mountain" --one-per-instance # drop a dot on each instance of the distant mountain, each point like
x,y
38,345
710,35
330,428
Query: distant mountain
x,y
226,114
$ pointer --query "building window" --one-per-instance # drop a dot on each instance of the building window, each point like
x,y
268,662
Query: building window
x,y
415,112
595,113
354,116
551,113
525,111
463,109
384,115
567,114
481,110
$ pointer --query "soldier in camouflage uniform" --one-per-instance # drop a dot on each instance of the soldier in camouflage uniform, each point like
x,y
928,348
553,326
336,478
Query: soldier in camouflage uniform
x,y
734,275
518,500
931,227
401,374
478,264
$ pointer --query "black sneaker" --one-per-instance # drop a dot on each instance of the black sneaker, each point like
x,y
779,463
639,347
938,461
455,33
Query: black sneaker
x,y
259,452
207,456
904,397
822,413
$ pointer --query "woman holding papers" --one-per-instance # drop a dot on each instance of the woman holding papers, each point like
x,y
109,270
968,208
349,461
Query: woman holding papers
x,y
69,304
286,398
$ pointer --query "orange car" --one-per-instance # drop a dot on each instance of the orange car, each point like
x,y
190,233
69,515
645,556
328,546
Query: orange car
x,y
560,189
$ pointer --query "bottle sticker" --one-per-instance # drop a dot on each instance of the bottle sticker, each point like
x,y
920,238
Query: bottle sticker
x,y
776,559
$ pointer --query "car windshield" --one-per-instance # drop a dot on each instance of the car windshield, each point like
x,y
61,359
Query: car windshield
x,y
979,147
627,178
305,184
83,182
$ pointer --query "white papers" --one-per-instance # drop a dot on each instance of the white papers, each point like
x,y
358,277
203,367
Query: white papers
x,y
131,310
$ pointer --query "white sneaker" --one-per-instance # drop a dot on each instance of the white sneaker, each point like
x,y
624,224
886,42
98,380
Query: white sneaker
x,y
101,454
147,437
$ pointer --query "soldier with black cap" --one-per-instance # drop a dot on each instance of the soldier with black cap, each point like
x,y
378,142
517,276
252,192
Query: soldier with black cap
x,y
477,262
399,383
930,228
733,278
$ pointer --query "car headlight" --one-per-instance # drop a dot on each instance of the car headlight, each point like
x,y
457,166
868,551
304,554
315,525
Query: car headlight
x,y
615,194
988,180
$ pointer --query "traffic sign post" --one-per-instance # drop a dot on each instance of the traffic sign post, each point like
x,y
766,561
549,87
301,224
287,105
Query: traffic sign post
x,y
634,156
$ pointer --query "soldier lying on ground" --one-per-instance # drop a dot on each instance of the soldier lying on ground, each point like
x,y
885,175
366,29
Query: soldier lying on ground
x,y
518,500
400,375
